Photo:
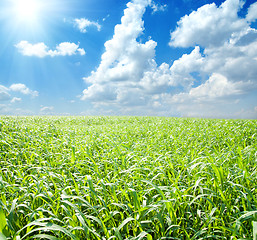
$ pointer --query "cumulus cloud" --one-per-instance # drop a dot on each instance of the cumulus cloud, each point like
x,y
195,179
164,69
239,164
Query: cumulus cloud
x,y
209,25
82,24
219,71
6,96
22,88
216,87
17,87
128,73
182,68
28,49
124,60
47,110
16,99
41,50
252,13
67,49
158,79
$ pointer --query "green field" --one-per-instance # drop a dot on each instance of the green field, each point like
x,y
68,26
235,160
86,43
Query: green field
x,y
127,178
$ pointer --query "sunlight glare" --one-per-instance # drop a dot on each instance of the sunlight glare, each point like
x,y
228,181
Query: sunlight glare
x,y
27,9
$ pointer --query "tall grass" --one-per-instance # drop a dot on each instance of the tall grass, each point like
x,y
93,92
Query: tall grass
x,y
127,178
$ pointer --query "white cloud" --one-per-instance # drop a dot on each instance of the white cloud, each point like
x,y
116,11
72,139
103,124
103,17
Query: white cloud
x,y
216,87
81,51
182,68
44,109
104,19
158,79
229,58
22,88
28,49
209,25
252,13
158,7
128,72
124,60
41,50
4,95
218,73
214,108
100,93
47,110
16,99
82,24
66,49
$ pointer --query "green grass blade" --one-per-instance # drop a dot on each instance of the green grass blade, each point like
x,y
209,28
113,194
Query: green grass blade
x,y
45,236
254,230
2,236
3,222
73,159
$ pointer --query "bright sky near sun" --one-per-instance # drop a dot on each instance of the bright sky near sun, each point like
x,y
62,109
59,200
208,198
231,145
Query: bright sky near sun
x,y
188,58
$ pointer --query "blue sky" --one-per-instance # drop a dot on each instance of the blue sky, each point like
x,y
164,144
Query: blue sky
x,y
187,58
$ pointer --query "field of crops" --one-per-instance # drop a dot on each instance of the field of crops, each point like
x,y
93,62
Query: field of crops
x,y
127,178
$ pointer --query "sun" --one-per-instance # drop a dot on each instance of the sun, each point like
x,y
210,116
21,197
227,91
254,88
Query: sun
x,y
27,10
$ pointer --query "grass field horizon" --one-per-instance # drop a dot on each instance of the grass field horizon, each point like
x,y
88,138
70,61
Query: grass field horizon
x,y
127,178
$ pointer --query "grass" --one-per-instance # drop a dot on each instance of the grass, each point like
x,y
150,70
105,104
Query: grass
x,y
127,178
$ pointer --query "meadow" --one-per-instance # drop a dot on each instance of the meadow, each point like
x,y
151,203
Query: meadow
x,y
127,178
